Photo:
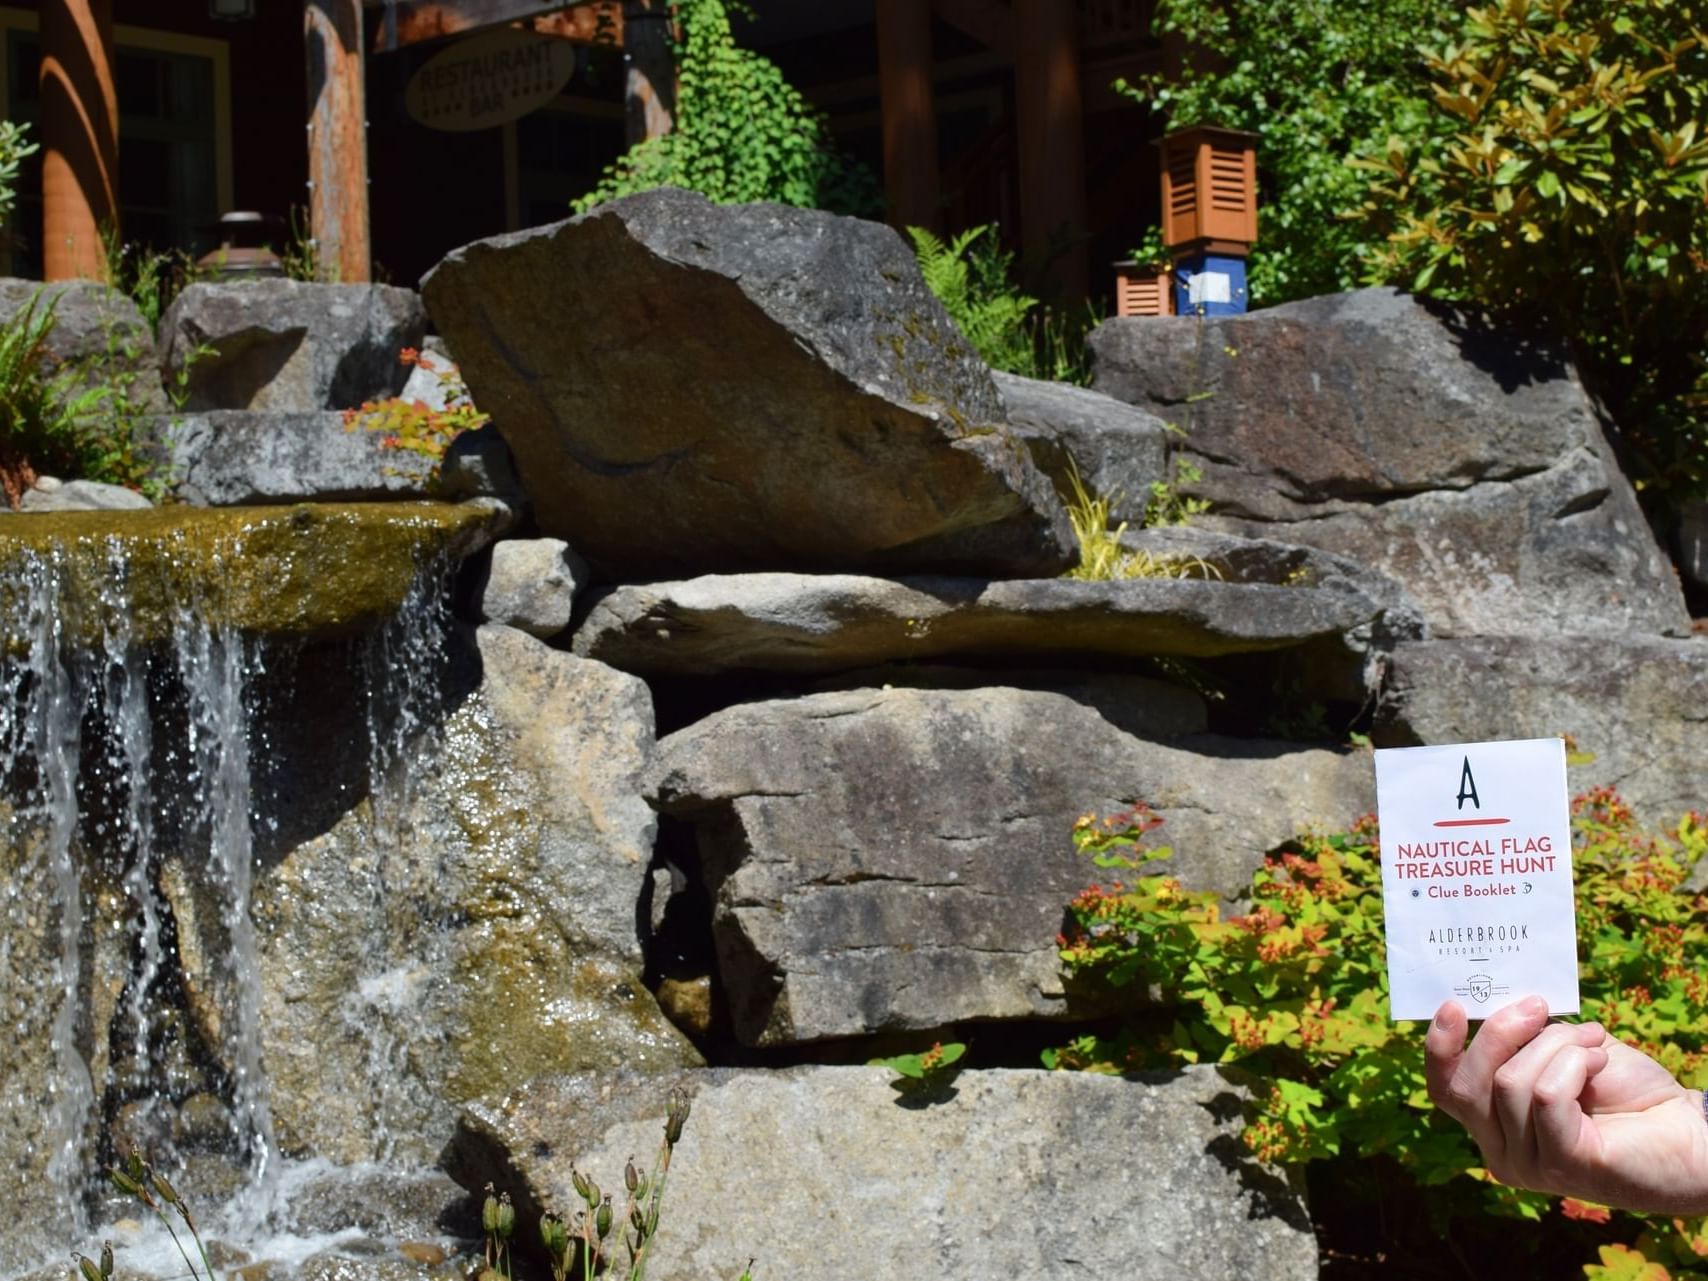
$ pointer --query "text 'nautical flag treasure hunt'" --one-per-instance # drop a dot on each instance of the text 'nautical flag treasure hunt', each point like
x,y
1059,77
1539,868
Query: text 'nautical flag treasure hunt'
x,y
1477,876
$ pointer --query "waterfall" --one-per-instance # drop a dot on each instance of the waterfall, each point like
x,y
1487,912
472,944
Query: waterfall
x,y
134,821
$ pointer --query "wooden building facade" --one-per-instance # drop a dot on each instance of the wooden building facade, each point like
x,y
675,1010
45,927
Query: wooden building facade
x,y
159,116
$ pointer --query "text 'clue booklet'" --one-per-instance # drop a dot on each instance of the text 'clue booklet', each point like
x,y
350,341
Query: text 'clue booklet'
x,y
1477,876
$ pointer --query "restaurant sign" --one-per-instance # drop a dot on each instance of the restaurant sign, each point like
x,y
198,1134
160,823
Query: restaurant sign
x,y
489,79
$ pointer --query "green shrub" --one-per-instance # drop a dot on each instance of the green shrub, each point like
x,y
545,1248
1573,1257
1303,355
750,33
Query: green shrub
x,y
1319,82
1572,196
972,276
414,427
1295,990
48,417
1102,558
14,146
742,132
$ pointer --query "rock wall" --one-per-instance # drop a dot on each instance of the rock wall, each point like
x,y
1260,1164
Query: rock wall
x,y
764,732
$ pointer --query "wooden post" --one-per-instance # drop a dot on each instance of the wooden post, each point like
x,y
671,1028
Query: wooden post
x,y
649,94
909,118
1052,145
80,137
337,139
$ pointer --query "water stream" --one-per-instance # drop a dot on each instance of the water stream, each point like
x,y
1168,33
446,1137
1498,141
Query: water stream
x,y
135,814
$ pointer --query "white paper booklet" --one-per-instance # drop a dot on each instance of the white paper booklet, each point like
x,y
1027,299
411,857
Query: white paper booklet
x,y
1477,876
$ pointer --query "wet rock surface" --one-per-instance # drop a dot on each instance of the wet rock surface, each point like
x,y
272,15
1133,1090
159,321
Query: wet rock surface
x,y
924,1188
477,926
894,859
809,403
305,572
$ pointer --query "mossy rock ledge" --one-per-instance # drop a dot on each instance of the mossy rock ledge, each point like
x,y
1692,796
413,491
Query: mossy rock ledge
x,y
317,570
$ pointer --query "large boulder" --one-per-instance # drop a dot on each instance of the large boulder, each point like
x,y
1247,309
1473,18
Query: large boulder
x,y
473,925
1633,704
236,458
826,1173
819,623
885,859
99,330
1118,452
287,345
691,388
1458,459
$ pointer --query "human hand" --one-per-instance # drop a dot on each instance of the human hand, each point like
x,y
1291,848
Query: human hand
x,y
1565,1108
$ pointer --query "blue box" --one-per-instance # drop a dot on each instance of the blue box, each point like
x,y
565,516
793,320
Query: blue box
x,y
1209,284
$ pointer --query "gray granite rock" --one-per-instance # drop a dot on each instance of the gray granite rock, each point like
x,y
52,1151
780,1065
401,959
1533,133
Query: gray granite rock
x,y
288,346
50,494
1461,461
826,1173
1139,705
99,329
1117,451
238,458
690,388
1637,704
478,465
817,623
530,584
896,859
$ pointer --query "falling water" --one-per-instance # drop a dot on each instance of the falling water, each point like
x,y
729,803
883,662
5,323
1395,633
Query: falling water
x,y
131,819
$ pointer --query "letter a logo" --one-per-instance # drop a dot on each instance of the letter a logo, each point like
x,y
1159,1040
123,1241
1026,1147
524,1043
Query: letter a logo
x,y
1468,787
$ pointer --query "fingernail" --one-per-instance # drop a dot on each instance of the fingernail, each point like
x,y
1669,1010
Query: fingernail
x,y
1441,1017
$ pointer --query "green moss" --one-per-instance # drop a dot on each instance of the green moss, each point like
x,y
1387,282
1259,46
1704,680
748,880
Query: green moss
x,y
322,569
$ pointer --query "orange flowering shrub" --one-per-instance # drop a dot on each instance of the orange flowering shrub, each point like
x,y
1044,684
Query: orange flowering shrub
x,y
1294,989
412,425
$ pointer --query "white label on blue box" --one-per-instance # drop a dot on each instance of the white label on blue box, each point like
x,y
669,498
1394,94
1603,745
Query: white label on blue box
x,y
1477,876
1209,286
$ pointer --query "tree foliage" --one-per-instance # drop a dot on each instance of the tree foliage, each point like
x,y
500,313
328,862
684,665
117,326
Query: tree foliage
x,y
1319,82
742,132
1572,194
14,147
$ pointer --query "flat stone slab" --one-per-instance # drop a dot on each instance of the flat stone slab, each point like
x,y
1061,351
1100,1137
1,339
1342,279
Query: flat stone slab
x,y
818,623
890,859
310,572
825,1173
1637,704
237,458
692,388
1462,461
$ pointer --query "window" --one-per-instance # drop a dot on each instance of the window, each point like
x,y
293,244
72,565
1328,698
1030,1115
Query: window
x,y
174,137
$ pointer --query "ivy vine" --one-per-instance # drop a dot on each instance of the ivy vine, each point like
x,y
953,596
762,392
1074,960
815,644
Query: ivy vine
x,y
742,132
